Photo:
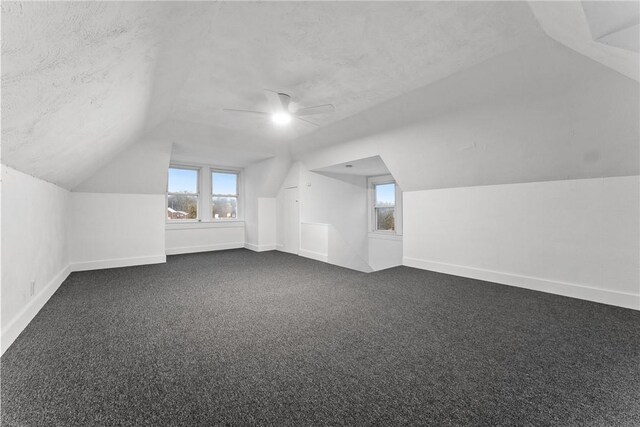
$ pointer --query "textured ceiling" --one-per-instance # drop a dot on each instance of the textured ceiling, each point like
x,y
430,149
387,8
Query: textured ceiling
x,y
567,23
539,113
369,166
351,54
83,80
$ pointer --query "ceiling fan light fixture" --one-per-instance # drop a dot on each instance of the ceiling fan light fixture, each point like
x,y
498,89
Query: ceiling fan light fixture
x,y
281,118
283,110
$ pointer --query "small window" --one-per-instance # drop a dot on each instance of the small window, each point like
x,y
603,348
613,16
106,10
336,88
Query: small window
x,y
182,194
385,206
224,195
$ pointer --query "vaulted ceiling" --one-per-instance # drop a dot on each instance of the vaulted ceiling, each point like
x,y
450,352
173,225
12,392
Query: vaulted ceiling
x,y
83,80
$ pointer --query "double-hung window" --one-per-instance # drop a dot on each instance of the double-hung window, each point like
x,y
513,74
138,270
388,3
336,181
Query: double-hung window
x,y
224,194
203,194
385,205
182,194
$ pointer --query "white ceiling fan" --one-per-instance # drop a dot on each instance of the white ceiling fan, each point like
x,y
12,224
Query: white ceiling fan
x,y
283,110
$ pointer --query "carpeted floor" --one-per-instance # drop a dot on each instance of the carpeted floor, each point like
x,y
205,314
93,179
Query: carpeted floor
x,y
243,338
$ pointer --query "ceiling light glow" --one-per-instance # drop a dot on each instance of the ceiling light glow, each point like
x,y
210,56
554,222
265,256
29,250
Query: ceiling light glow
x,y
281,118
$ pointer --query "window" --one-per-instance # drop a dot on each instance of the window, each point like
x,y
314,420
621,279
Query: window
x,y
182,194
224,195
199,193
385,205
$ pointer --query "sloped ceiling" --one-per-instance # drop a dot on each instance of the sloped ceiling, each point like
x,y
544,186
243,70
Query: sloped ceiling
x,y
351,54
615,24
81,81
369,166
539,113
569,23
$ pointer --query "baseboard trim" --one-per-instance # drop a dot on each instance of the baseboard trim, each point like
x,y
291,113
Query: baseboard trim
x,y
204,248
22,319
314,255
604,296
119,262
259,248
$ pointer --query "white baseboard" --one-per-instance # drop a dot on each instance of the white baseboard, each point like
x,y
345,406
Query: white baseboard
x,y
604,296
314,255
15,327
119,262
204,248
259,248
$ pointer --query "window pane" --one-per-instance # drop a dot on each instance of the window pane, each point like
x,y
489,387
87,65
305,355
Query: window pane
x,y
224,183
224,207
385,219
183,180
386,195
181,206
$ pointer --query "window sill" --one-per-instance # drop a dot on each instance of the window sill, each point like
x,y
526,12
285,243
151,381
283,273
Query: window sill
x,y
184,225
384,236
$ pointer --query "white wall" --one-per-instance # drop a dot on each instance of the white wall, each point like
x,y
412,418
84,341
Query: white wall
x,y
141,171
202,237
266,224
34,247
115,230
262,181
578,238
314,241
119,212
291,180
340,201
337,200
334,221
384,251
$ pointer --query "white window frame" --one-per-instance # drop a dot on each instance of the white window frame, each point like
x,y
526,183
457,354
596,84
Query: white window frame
x,y
197,194
205,194
372,181
235,172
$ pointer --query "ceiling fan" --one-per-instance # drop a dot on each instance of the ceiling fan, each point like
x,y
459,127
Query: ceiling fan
x,y
283,110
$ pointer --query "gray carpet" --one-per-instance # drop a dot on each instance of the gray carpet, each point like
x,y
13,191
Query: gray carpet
x,y
244,338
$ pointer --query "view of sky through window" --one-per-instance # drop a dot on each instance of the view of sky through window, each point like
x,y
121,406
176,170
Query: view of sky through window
x,y
183,180
385,194
224,183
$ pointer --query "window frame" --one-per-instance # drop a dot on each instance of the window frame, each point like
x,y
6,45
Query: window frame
x,y
372,182
197,194
204,188
235,172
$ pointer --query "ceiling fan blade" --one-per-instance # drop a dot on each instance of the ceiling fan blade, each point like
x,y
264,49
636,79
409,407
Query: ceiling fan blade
x,y
285,101
317,109
307,121
231,110
277,101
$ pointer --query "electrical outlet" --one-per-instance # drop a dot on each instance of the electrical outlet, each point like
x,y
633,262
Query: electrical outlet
x,y
32,288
